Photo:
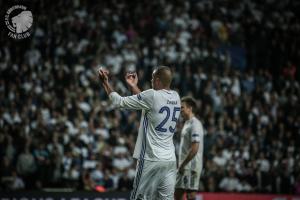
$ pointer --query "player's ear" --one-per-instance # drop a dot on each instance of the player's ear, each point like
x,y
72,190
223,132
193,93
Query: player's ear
x,y
158,80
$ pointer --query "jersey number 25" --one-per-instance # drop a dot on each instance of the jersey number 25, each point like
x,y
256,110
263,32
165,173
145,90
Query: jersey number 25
x,y
174,119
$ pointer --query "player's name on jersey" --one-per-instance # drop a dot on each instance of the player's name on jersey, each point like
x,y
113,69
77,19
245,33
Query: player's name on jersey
x,y
171,102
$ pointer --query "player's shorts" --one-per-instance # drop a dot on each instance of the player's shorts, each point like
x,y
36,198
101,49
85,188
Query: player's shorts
x,y
154,180
188,180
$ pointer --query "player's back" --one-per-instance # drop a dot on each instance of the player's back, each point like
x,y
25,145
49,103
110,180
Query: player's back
x,y
158,127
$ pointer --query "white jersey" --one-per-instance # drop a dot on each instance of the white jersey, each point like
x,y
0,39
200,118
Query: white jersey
x,y
160,113
192,131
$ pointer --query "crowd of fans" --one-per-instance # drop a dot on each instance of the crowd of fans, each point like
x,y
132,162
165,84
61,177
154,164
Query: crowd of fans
x,y
239,60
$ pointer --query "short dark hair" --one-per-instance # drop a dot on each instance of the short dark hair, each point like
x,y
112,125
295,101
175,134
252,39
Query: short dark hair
x,y
164,74
190,102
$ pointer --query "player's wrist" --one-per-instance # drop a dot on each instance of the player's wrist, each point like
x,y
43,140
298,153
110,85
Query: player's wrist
x,y
105,83
133,86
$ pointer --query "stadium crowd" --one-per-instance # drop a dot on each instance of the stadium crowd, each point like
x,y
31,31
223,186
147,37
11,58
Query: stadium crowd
x,y
239,60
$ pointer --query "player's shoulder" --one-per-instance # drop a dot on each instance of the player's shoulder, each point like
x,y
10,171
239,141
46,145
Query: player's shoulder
x,y
146,95
149,92
196,121
197,126
175,93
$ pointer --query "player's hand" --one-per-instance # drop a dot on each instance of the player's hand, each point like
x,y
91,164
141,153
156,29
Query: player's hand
x,y
131,79
181,169
103,75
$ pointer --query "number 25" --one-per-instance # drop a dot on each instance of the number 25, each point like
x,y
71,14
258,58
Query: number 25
x,y
174,119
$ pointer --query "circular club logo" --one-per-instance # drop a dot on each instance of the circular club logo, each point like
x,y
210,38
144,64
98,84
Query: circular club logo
x,y
19,22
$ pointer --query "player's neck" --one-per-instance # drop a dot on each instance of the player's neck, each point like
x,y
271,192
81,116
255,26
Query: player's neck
x,y
190,116
163,88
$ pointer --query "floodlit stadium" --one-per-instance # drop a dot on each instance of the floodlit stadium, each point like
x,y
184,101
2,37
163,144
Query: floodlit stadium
x,y
61,136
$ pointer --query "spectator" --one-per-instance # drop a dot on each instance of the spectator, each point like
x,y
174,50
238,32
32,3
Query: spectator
x,y
6,172
125,183
297,186
88,183
42,158
97,174
230,183
108,181
26,166
17,182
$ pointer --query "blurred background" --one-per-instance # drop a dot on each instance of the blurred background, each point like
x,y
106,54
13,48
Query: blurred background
x,y
239,59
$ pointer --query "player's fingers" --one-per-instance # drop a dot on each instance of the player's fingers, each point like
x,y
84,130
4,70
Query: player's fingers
x,y
132,74
104,73
103,70
100,73
129,76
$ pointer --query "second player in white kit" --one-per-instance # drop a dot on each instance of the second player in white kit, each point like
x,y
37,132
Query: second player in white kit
x,y
190,152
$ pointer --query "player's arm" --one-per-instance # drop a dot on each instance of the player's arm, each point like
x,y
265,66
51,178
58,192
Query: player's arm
x,y
142,100
103,76
192,152
132,80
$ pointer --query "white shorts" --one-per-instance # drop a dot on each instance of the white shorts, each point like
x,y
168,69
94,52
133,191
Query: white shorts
x,y
188,180
154,180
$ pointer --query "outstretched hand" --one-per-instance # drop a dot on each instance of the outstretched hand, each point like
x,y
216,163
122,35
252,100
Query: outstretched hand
x,y
103,75
131,79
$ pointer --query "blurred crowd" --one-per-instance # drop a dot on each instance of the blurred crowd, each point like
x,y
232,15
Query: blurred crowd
x,y
239,60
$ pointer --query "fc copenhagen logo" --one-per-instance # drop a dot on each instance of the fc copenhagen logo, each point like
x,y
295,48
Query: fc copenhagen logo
x,y
19,22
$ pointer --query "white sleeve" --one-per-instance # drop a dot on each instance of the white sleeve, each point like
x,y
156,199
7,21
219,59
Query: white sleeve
x,y
141,101
196,131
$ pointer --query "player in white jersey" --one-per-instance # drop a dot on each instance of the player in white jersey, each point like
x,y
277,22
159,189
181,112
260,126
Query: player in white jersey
x,y
154,149
190,152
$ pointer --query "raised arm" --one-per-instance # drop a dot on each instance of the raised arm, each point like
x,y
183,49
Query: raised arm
x,y
139,101
132,80
103,76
